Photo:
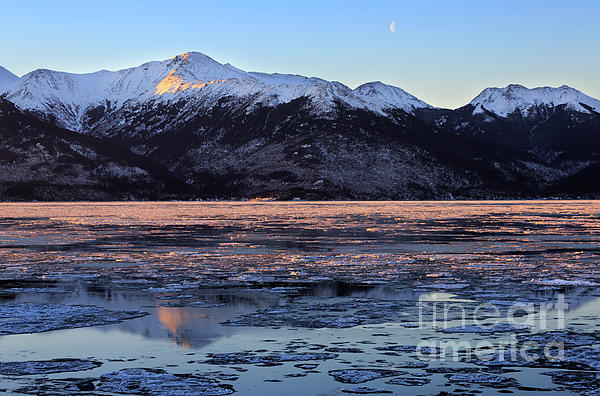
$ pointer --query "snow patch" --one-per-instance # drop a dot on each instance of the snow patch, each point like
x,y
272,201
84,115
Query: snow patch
x,y
505,101
197,79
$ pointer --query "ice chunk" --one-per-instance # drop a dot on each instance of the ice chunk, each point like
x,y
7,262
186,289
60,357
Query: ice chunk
x,y
20,318
250,358
46,366
159,382
365,390
359,376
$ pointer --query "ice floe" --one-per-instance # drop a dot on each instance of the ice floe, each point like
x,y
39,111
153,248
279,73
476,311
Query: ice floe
x,y
482,378
358,376
408,381
365,390
336,314
159,382
251,358
577,381
568,339
19,318
47,366
563,282
497,328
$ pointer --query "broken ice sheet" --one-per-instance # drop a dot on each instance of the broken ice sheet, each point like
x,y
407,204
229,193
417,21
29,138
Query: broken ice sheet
x,y
553,349
358,376
563,282
296,375
507,360
411,364
445,286
578,381
344,350
36,290
483,379
497,328
452,370
251,358
397,348
365,390
491,280
174,287
569,339
56,386
306,366
159,382
408,381
20,318
308,313
47,366
583,357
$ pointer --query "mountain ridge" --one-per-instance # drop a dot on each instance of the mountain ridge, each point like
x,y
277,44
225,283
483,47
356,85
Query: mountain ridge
x,y
68,95
214,70
504,101
7,79
199,129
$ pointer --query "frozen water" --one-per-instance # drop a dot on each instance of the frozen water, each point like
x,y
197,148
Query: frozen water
x,y
250,358
365,390
408,381
159,382
190,293
47,366
360,376
18,318
481,378
497,328
577,381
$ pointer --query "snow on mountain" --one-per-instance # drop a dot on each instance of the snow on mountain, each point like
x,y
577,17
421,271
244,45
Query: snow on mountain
x,y
68,96
194,77
7,79
275,79
504,101
379,96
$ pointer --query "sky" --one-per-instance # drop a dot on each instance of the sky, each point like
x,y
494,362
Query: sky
x,y
443,51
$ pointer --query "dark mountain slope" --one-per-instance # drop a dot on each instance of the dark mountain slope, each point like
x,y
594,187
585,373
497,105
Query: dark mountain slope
x,y
286,152
39,161
190,127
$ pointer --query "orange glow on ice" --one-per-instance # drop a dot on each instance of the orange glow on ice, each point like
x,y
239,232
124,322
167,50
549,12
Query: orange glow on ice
x,y
173,83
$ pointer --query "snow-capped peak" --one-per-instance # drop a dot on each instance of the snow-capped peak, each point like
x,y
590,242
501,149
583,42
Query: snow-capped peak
x,y
203,67
68,96
200,79
505,101
7,79
380,96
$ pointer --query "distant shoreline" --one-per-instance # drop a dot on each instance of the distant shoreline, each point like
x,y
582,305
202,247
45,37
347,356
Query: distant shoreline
x,y
507,200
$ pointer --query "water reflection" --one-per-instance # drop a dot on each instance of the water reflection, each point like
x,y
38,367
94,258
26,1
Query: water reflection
x,y
115,254
231,277
182,324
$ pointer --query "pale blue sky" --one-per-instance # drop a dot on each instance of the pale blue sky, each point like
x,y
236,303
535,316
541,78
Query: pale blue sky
x,y
444,51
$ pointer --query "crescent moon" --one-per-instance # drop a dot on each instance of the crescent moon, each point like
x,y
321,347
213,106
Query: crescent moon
x,y
393,27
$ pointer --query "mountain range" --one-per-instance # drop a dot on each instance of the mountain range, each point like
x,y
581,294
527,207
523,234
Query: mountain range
x,y
192,128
